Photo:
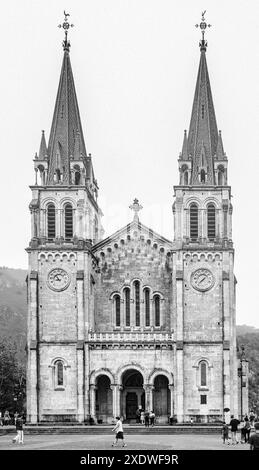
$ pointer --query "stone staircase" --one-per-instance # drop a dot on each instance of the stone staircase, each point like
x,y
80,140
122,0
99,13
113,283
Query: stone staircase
x,y
59,428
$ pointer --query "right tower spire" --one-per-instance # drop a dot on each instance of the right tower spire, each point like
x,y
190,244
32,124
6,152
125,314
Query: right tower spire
x,y
203,141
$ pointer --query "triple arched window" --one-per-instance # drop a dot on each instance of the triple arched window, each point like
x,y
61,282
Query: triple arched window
x,y
194,222
137,307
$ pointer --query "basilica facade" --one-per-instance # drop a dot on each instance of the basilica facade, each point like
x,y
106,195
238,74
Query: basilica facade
x,y
132,320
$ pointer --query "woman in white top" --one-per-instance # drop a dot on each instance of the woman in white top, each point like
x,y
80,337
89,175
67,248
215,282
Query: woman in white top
x,y
118,429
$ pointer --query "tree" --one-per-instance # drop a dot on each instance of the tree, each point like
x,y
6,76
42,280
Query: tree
x,y
12,377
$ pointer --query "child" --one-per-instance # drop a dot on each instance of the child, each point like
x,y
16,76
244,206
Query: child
x,y
119,432
225,435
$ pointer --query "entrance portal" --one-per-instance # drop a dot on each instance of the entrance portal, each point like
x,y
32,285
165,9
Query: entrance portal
x,y
132,395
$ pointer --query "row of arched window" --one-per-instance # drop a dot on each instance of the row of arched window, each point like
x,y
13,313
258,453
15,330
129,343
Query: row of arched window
x,y
68,223
128,311
194,221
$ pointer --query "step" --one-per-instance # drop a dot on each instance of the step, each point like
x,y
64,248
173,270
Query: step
x,y
107,429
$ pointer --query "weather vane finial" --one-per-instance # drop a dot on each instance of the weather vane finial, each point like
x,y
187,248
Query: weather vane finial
x,y
66,25
136,207
203,26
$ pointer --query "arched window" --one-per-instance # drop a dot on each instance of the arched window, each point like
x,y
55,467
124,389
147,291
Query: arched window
x,y
194,221
127,306
147,306
51,221
68,221
211,221
220,177
59,373
185,178
203,176
137,302
157,310
117,301
95,229
77,178
58,175
203,374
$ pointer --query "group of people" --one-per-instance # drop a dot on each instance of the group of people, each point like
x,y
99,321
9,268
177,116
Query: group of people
x,y
245,426
145,417
6,418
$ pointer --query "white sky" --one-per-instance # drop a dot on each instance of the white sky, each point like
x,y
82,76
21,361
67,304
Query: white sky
x,y
135,65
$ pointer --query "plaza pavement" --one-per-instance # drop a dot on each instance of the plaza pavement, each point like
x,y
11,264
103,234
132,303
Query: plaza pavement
x,y
103,442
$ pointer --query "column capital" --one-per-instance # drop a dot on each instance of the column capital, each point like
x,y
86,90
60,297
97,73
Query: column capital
x,y
93,387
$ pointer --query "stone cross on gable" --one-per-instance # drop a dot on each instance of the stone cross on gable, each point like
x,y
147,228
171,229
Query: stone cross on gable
x,y
136,207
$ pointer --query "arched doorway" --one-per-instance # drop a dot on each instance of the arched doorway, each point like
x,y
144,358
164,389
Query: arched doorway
x,y
103,399
161,398
132,395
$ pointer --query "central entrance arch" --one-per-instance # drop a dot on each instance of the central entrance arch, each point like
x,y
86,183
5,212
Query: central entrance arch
x,y
132,395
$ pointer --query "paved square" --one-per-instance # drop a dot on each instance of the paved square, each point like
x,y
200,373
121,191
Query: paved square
x,y
103,442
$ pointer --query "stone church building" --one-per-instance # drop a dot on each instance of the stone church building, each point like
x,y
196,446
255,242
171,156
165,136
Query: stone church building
x,y
132,320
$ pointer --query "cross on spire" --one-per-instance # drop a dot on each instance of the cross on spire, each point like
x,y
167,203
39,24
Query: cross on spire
x,y
136,207
66,25
203,26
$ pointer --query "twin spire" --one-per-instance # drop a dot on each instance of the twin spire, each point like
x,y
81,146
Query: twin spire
x,y
66,151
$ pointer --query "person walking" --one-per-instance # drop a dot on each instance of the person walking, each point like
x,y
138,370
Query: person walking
x,y
152,418
234,427
118,429
225,433
19,438
254,439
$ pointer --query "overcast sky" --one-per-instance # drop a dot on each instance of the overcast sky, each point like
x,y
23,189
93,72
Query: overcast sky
x,y
135,65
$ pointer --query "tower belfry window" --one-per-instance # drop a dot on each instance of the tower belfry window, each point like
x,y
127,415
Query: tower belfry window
x,y
68,221
203,176
211,221
51,221
194,221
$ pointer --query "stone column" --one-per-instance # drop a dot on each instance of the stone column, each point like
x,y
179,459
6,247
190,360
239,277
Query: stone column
x,y
114,389
93,389
179,411
171,388
80,345
148,400
32,371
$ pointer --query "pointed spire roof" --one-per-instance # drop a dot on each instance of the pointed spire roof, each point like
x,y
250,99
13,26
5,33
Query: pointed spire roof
x,y
184,153
203,131
220,154
66,133
43,153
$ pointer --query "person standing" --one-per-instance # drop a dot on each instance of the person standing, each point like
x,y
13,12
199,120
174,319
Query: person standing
x,y
138,416
254,439
142,417
152,418
225,433
118,429
1,419
247,429
6,417
234,427
147,419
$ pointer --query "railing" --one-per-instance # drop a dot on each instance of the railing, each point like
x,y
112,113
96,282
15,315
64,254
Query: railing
x,y
131,336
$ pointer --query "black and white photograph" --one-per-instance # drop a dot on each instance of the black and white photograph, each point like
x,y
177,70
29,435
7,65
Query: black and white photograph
x,y
129,301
